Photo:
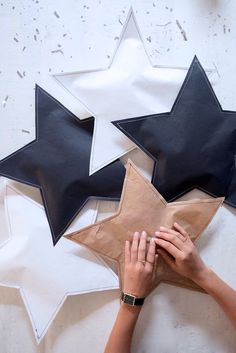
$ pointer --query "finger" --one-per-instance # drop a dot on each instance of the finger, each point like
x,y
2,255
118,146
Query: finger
x,y
134,247
154,273
172,231
151,251
127,252
150,260
172,238
168,260
156,262
169,247
142,247
181,230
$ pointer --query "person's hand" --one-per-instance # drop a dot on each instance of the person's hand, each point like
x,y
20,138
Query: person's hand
x,y
140,265
179,252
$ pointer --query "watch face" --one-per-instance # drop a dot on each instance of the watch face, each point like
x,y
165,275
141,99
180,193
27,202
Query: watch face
x,y
129,299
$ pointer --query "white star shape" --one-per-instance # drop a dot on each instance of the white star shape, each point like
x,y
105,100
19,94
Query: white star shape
x,y
131,86
46,275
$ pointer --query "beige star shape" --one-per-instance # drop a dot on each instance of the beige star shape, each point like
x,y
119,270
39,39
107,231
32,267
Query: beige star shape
x,y
143,208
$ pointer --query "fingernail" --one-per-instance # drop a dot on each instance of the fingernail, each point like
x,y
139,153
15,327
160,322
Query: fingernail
x,y
136,233
162,228
144,233
157,234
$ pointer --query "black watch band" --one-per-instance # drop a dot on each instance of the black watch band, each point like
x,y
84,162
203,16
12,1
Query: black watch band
x,y
130,299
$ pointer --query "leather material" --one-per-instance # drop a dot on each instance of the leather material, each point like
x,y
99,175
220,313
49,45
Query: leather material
x,y
143,208
57,162
194,145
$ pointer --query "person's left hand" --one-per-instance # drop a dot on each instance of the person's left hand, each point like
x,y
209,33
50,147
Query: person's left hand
x,y
140,265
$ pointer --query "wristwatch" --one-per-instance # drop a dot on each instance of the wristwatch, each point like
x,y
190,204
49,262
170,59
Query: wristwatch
x,y
130,299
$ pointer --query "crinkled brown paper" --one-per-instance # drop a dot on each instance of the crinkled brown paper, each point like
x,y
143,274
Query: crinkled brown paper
x,y
143,208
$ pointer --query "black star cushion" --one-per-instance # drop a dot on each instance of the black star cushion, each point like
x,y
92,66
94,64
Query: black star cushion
x,y
57,162
193,145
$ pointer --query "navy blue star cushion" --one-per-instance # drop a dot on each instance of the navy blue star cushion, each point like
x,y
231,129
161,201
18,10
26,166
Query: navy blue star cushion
x,y
57,162
194,145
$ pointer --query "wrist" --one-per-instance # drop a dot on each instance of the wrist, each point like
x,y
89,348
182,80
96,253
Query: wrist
x,y
202,277
134,292
130,308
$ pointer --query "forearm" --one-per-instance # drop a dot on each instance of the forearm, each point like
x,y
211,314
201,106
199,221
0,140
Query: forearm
x,y
122,332
224,295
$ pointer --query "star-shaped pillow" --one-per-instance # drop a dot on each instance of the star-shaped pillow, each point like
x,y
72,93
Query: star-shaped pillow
x,y
194,145
143,208
46,275
57,162
130,86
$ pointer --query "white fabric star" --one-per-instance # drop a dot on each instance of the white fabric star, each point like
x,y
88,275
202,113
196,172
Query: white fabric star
x,y
131,86
46,275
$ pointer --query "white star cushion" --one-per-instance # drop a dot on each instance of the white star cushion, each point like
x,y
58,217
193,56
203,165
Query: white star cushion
x,y
46,275
131,86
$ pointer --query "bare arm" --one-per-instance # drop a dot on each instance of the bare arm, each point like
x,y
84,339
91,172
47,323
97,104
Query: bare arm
x,y
179,252
121,335
140,262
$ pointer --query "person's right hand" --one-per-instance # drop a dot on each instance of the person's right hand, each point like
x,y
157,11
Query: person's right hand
x,y
179,252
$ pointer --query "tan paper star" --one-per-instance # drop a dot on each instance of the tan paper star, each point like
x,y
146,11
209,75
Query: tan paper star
x,y
143,208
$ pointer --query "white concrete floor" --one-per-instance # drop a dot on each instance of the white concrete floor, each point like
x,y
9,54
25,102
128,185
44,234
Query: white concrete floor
x,y
40,37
